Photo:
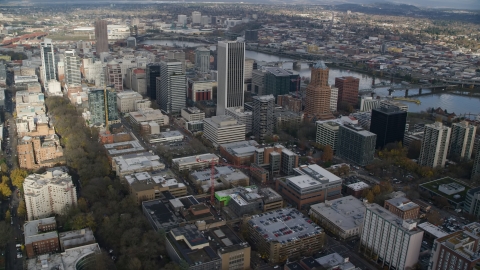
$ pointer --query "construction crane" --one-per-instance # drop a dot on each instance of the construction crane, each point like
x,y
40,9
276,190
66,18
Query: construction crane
x,y
213,162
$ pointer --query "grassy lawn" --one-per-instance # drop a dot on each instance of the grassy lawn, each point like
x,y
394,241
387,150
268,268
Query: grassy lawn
x,y
433,186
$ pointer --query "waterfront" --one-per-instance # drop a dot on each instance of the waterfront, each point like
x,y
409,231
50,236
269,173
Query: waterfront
x,y
449,101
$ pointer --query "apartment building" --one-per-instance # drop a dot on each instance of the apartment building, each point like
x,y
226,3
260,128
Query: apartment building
x,y
311,185
290,103
462,140
343,216
458,250
49,193
263,120
114,75
223,129
100,108
403,208
327,133
433,152
392,242
126,101
39,151
41,236
284,234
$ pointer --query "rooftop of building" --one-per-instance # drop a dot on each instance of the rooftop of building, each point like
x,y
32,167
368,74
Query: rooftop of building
x,y
147,180
120,148
403,203
408,226
192,110
138,161
76,238
320,64
146,113
284,225
278,71
31,233
191,245
390,110
239,111
160,214
264,98
335,261
310,175
432,229
62,261
243,148
227,172
224,240
358,186
462,242
346,212
129,94
358,129
222,121
203,158
54,176
435,184
185,201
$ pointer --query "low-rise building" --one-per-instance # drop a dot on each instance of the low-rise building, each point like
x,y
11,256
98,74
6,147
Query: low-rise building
x,y
194,126
458,250
224,176
82,257
41,236
49,193
194,162
160,216
356,189
189,245
166,137
233,252
148,115
403,208
122,148
135,163
343,216
149,185
223,129
248,200
311,185
284,234
192,114
239,153
77,238
431,232
126,101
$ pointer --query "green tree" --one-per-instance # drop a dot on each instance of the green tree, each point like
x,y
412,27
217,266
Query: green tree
x,y
4,167
5,179
370,196
6,233
21,210
18,177
376,189
327,155
5,190
8,216
82,205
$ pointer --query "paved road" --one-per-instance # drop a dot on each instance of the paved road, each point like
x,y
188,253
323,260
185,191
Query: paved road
x,y
347,249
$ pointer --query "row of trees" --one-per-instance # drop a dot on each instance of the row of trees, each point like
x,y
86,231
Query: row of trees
x,y
104,203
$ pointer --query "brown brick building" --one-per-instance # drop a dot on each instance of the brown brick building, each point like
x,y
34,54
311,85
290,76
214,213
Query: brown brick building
x,y
317,101
41,237
403,208
347,90
290,103
37,152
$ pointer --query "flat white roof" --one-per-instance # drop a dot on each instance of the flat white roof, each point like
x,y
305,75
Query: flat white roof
x,y
432,229
347,213
358,186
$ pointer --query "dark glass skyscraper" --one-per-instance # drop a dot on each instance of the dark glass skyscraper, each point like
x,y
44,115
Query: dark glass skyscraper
x,y
152,72
388,125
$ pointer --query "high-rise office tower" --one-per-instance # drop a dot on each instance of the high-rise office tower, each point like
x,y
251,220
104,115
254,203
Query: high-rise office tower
x,y
476,162
48,62
355,144
461,140
72,68
263,118
202,59
317,100
101,36
347,90
196,17
102,109
433,152
152,72
172,94
231,75
392,242
179,56
388,125
113,75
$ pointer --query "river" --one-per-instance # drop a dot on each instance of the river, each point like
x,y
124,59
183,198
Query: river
x,y
450,102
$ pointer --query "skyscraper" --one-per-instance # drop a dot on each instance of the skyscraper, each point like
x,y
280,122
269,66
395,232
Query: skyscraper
x,y
196,17
317,101
476,162
113,75
389,125
231,77
347,90
461,140
355,144
72,68
48,62
152,72
263,118
434,145
172,94
101,36
202,59
101,108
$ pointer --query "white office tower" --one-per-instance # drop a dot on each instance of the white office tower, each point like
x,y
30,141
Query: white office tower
x,y
48,62
434,145
72,68
49,193
202,59
333,99
231,75
196,17
172,92
393,242
461,140
182,19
